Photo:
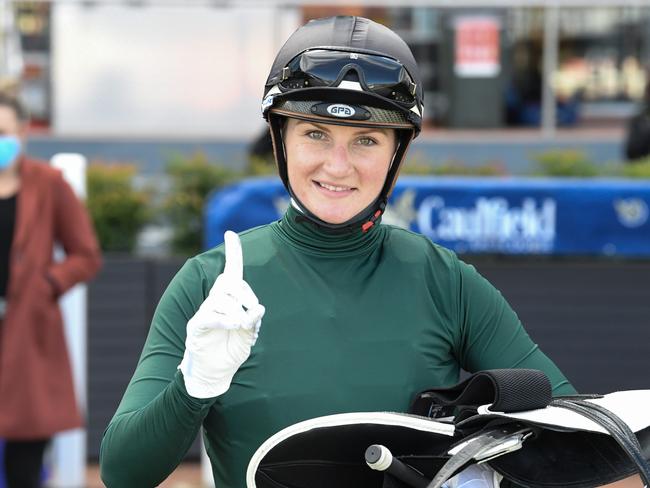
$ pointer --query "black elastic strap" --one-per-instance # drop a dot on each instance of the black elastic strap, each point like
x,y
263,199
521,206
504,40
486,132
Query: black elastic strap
x,y
508,390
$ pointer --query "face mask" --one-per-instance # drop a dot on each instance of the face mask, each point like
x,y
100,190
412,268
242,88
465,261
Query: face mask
x,y
9,150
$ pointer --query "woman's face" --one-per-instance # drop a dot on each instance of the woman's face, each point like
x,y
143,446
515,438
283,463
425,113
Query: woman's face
x,y
10,126
337,171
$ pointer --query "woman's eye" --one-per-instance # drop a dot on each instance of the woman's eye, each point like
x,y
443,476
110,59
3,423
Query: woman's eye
x,y
367,141
316,135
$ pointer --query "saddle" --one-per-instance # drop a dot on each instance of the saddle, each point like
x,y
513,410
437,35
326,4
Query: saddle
x,y
505,419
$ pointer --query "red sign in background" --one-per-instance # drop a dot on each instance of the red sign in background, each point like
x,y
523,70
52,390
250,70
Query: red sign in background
x,y
477,47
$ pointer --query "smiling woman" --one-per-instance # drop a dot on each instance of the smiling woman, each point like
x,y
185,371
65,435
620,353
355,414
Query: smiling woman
x,y
337,171
326,310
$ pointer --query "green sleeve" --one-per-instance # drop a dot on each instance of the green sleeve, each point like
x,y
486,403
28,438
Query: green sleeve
x,y
157,421
492,335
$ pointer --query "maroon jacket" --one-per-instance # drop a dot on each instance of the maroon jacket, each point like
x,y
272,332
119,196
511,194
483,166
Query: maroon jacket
x,y
36,391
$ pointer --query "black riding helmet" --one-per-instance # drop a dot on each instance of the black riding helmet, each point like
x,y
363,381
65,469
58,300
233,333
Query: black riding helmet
x,y
345,71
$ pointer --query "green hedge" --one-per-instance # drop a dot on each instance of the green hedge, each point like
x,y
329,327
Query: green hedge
x,y
565,163
118,210
558,163
192,180
418,164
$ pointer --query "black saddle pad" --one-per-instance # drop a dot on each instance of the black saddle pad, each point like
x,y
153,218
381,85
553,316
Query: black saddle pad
x,y
329,451
552,459
566,448
550,444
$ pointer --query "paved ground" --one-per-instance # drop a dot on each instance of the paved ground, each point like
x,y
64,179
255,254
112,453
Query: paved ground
x,y
189,476
186,476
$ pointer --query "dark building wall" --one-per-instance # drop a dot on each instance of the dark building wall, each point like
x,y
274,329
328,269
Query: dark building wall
x,y
591,318
121,301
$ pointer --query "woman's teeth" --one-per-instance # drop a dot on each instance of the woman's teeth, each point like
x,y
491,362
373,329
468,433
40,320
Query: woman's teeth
x,y
333,188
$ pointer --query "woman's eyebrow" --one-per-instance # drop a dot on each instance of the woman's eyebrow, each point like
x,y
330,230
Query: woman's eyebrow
x,y
370,130
360,130
315,124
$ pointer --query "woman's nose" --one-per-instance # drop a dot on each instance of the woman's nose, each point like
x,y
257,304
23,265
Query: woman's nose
x,y
338,161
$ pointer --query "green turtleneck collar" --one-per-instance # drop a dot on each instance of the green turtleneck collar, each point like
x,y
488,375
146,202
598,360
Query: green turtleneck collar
x,y
298,231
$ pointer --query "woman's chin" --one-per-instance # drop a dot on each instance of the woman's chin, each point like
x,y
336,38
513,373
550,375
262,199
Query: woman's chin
x,y
334,220
333,216
334,211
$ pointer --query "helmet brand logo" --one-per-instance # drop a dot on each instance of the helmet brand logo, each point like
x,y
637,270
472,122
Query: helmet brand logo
x,y
341,110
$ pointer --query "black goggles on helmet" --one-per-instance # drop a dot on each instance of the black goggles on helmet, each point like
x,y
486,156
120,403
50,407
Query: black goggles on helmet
x,y
381,75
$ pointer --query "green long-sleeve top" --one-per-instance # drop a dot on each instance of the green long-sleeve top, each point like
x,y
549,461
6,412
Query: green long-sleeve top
x,y
354,322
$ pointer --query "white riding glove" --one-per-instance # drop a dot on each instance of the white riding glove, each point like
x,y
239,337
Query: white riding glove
x,y
223,330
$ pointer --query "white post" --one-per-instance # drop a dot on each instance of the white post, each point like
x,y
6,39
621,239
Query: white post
x,y
206,468
68,455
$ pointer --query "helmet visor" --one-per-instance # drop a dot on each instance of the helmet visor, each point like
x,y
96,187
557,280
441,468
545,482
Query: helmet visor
x,y
379,74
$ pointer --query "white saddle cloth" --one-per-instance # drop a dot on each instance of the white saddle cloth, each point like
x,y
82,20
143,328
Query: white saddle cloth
x,y
632,406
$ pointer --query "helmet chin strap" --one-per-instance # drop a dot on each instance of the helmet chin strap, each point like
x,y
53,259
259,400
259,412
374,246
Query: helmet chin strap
x,y
364,220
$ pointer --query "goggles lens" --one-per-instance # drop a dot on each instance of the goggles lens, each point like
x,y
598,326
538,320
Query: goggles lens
x,y
378,74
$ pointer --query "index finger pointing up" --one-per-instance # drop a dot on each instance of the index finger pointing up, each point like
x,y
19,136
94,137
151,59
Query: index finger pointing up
x,y
234,267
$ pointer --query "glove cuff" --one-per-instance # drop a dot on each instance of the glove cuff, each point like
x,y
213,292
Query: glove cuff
x,y
197,388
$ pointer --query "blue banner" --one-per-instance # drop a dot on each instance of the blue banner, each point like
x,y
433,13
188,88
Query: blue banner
x,y
480,215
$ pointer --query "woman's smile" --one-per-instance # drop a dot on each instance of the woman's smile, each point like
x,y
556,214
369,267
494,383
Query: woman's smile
x,y
333,190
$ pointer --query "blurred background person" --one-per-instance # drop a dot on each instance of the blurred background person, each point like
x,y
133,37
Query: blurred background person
x,y
38,209
637,141
261,148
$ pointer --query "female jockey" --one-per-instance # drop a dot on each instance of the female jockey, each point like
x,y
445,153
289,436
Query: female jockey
x,y
326,310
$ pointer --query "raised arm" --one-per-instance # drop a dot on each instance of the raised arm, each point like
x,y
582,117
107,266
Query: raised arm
x,y
206,324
